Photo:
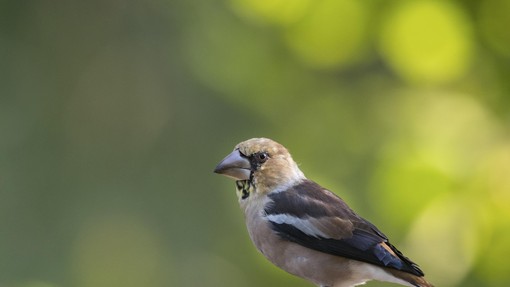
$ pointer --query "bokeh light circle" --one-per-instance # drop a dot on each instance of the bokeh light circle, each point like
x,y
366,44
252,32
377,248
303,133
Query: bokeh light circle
x,y
427,42
331,35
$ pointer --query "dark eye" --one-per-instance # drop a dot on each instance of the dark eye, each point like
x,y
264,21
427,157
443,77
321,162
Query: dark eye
x,y
261,157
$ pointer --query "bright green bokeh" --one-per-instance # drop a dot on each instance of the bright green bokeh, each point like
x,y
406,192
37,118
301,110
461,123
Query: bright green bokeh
x,y
332,34
445,237
427,41
401,176
493,177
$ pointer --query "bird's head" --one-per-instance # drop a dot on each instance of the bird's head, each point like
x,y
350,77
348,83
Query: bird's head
x,y
262,164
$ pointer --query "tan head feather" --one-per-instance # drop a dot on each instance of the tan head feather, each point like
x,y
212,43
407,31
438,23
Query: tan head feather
x,y
278,171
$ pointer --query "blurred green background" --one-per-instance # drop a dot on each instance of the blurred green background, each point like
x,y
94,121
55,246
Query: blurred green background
x,y
114,113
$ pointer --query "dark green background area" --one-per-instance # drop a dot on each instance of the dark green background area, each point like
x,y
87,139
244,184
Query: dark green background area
x,y
113,115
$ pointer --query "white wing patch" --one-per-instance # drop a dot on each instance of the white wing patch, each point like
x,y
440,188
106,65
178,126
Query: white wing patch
x,y
303,224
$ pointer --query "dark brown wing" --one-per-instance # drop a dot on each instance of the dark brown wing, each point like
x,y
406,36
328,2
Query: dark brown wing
x,y
314,217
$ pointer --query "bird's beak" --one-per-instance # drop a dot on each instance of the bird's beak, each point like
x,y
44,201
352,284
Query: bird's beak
x,y
235,165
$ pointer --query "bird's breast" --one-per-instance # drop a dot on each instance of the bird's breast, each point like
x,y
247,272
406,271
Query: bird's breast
x,y
259,229
320,268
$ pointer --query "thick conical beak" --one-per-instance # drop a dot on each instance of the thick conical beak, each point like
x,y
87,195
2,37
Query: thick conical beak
x,y
235,165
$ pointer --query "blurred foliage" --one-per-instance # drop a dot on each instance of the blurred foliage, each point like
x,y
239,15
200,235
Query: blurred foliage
x,y
114,113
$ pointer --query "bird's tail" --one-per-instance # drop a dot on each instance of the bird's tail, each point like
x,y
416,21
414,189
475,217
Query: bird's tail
x,y
418,281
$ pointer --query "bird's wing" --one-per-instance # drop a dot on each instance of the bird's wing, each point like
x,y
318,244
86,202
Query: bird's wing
x,y
313,217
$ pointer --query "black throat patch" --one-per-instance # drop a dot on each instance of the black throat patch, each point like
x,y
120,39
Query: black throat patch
x,y
244,187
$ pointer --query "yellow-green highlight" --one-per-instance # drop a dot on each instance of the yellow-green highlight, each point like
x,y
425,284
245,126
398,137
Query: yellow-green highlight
x,y
427,41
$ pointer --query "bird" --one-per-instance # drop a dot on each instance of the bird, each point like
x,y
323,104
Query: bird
x,y
305,229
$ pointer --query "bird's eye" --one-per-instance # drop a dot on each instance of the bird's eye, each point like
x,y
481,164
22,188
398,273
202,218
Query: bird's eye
x,y
261,157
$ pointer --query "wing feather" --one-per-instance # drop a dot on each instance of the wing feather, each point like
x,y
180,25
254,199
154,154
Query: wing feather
x,y
314,217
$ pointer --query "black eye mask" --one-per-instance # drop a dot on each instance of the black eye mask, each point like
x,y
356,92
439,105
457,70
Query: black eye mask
x,y
257,159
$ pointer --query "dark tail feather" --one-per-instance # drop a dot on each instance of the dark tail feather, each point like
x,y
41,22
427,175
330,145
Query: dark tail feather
x,y
418,281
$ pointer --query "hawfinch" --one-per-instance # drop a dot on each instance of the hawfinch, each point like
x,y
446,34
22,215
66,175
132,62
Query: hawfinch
x,y
306,229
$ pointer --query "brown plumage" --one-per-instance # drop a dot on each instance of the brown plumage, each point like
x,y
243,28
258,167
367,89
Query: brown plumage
x,y
307,230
